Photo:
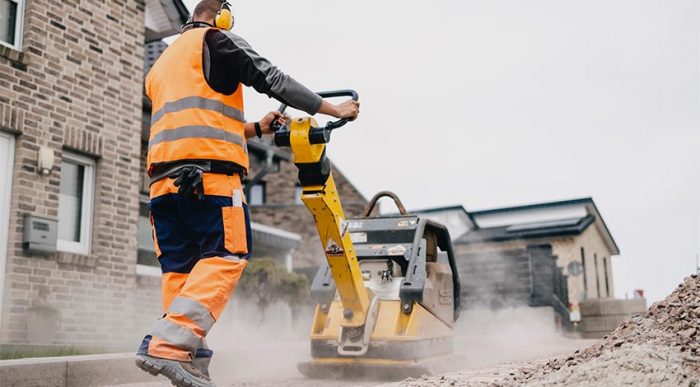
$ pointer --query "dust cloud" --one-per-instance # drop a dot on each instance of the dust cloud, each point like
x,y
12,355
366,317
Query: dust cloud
x,y
259,350
259,347
490,336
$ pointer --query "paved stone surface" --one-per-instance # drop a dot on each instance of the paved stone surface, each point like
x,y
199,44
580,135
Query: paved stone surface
x,y
73,371
33,372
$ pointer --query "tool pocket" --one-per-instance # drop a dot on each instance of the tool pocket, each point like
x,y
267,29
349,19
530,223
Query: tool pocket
x,y
154,235
235,238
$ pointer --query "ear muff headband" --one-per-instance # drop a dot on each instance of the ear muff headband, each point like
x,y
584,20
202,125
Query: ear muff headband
x,y
193,24
224,18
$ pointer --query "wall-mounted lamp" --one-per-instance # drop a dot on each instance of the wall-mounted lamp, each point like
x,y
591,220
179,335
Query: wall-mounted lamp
x,y
45,161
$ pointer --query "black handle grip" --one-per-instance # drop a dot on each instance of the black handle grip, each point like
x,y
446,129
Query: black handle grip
x,y
340,93
319,135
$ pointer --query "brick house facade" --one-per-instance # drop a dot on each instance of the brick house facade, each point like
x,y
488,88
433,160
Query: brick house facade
x,y
71,94
58,92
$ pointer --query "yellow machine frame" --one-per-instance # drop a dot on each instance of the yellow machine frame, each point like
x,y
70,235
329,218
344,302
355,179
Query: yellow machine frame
x,y
356,317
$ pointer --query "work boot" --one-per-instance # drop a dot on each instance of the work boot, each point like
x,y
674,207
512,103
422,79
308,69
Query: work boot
x,y
180,373
201,360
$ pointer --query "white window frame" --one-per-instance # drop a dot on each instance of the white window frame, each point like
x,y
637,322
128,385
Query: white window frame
x,y
262,185
298,189
18,27
146,270
6,186
82,247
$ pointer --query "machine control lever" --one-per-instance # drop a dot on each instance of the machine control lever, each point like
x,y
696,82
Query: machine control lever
x,y
320,135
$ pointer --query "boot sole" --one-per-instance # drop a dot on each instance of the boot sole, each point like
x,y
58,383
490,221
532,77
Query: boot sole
x,y
163,367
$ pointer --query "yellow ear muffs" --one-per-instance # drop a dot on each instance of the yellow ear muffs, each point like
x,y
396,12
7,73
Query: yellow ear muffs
x,y
224,18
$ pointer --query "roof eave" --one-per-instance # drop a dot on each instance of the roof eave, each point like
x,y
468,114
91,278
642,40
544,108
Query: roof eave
x,y
537,234
449,208
610,241
177,15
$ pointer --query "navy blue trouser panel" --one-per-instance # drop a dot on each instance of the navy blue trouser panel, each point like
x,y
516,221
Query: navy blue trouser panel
x,y
188,230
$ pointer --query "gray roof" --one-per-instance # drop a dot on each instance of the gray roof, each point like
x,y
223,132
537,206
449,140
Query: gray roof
x,y
588,202
457,207
543,229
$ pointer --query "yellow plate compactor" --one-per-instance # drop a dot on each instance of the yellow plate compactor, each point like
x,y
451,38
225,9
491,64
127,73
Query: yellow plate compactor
x,y
389,296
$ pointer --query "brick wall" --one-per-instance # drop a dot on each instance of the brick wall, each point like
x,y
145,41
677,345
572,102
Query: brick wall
x,y
282,212
61,92
569,249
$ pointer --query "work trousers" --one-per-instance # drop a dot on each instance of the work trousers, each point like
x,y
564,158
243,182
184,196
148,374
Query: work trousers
x,y
202,246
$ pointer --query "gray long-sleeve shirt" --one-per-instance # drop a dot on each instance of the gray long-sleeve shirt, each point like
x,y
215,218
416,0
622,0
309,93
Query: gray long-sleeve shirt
x,y
229,60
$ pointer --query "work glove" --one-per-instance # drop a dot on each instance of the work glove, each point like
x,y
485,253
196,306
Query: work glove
x,y
189,182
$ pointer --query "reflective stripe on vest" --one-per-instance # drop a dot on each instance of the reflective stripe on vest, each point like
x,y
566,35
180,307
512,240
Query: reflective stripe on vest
x,y
191,121
205,132
199,103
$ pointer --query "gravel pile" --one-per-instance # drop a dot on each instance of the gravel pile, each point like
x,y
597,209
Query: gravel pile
x,y
661,347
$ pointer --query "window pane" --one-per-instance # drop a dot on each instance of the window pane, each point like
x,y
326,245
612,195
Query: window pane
x,y
8,20
257,194
70,201
147,251
298,191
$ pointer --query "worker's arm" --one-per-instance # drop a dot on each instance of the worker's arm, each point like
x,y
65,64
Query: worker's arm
x,y
347,109
233,61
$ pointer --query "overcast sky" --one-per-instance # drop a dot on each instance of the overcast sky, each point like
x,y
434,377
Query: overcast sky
x,y
503,102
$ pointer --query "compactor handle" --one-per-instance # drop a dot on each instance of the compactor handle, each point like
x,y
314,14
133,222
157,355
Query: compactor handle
x,y
320,135
379,195
333,94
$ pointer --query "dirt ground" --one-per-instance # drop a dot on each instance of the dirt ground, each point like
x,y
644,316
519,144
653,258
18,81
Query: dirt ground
x,y
505,348
274,364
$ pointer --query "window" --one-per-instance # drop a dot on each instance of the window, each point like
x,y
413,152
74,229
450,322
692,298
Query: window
x,y
585,276
605,272
7,150
147,261
597,275
298,191
11,12
257,194
75,201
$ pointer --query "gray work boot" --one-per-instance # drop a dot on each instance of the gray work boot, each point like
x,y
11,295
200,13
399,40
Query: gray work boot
x,y
201,360
181,374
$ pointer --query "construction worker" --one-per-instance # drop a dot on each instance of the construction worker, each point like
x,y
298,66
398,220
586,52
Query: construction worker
x,y
196,156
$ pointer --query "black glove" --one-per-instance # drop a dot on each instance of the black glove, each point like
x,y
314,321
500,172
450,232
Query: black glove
x,y
189,181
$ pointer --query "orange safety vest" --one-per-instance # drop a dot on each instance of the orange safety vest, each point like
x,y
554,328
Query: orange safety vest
x,y
189,120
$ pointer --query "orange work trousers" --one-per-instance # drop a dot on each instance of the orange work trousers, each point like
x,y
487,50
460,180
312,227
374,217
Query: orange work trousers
x,y
202,246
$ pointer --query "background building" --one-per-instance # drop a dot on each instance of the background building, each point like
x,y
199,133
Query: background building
x,y
71,75
494,249
73,124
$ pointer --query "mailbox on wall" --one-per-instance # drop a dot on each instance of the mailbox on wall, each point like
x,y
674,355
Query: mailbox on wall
x,y
40,235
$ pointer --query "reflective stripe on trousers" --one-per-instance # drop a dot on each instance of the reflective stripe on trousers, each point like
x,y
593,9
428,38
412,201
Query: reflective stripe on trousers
x,y
177,335
193,310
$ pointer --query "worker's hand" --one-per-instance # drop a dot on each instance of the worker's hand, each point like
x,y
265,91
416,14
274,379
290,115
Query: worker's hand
x,y
347,109
266,122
